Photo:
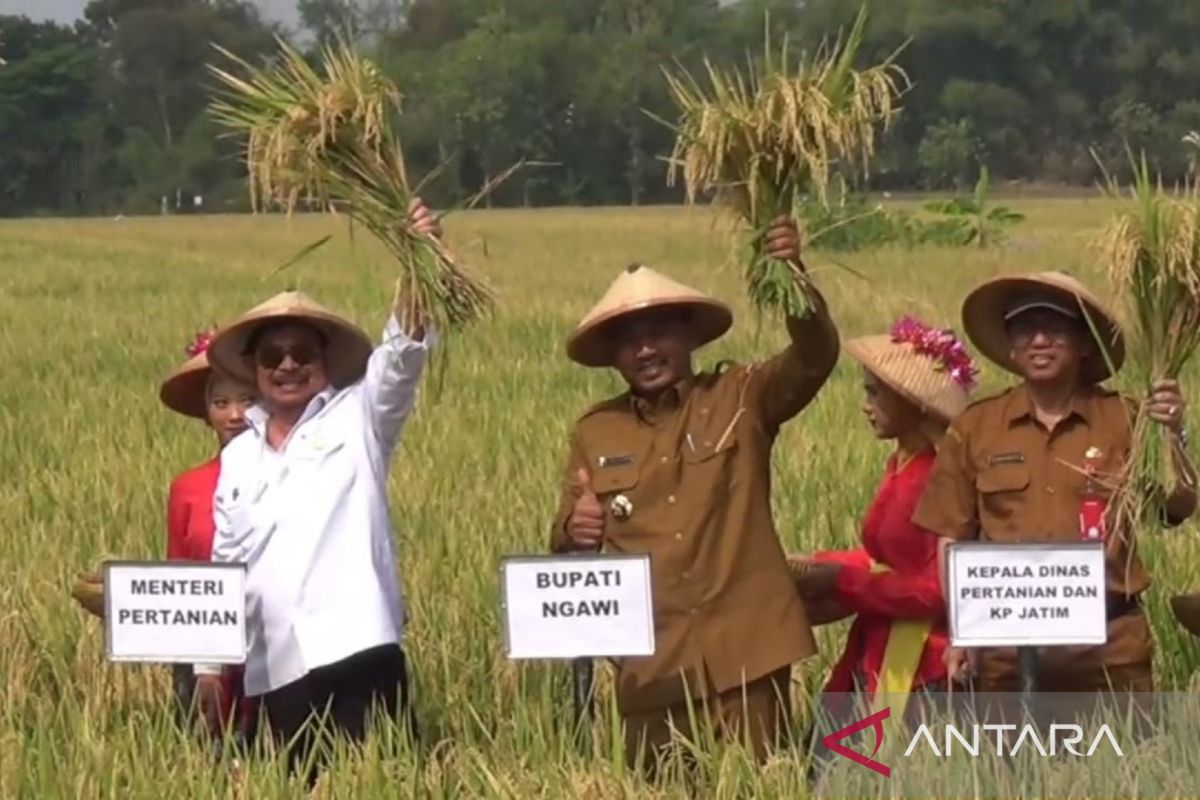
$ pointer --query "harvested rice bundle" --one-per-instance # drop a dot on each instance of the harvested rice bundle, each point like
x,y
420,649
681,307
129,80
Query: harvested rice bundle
x,y
1152,253
763,140
328,133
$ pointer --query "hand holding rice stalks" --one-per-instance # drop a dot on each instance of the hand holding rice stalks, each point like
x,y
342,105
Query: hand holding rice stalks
x,y
1152,252
762,140
328,133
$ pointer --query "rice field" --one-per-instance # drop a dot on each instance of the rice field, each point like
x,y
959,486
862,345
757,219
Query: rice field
x,y
95,312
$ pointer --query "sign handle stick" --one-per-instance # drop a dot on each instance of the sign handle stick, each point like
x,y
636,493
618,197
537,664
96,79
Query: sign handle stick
x,y
582,684
1027,666
583,678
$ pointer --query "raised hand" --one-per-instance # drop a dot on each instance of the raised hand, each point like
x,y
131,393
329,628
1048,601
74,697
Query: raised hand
x,y
585,527
1166,405
422,219
783,239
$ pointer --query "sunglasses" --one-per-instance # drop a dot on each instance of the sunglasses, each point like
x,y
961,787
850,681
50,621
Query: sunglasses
x,y
1055,328
270,356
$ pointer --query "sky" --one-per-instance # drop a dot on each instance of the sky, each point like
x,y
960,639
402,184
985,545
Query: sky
x,y
67,11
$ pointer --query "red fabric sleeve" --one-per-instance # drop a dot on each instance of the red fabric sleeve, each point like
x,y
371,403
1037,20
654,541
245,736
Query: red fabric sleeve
x,y
912,588
891,594
856,557
177,519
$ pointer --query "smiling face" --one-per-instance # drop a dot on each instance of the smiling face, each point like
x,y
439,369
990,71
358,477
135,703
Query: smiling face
x,y
1048,347
289,361
227,402
653,349
889,413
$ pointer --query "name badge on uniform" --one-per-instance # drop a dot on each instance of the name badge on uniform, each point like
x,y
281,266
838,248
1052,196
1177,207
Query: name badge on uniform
x,y
614,461
1006,458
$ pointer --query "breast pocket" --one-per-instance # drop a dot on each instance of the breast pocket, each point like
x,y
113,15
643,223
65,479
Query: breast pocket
x,y
322,457
231,514
1002,492
616,487
320,448
710,467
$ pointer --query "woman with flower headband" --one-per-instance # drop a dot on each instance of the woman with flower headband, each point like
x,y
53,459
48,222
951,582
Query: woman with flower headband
x,y
196,390
916,380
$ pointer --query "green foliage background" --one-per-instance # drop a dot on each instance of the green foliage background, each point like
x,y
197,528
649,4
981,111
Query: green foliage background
x,y
106,116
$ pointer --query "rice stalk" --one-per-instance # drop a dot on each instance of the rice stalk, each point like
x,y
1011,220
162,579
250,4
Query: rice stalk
x,y
327,133
759,141
1152,253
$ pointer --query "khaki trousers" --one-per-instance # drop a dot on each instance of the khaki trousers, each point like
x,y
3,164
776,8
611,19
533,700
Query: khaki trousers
x,y
1122,664
756,714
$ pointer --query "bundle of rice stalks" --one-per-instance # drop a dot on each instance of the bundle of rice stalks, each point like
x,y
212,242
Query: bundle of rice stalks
x,y
1152,252
764,139
328,133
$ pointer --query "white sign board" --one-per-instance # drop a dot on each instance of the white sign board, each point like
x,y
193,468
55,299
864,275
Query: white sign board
x,y
577,606
1007,595
175,611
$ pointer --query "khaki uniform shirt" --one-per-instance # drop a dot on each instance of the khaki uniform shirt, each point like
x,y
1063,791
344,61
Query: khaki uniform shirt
x,y
1003,477
696,469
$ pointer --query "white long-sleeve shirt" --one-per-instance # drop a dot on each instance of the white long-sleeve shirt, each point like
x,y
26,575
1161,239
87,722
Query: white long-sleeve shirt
x,y
311,523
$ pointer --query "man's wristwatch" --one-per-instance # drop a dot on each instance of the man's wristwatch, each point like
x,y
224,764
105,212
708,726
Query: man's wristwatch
x,y
1181,436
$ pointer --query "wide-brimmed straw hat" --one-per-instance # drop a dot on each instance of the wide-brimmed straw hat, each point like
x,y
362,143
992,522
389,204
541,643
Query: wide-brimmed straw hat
x,y
1186,608
989,306
928,367
347,347
184,390
636,289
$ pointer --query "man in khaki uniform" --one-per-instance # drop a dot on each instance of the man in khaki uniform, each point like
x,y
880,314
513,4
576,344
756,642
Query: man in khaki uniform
x,y
679,467
1011,467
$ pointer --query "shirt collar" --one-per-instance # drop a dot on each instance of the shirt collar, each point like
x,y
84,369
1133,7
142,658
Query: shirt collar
x,y
257,415
1020,407
671,399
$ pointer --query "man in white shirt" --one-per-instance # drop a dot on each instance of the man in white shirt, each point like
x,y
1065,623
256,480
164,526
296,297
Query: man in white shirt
x,y
302,501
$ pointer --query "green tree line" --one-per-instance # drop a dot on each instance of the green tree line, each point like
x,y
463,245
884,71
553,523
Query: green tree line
x,y
107,116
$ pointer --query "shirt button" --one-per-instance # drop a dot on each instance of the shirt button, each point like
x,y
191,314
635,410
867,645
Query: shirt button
x,y
663,459
679,537
694,610
708,444
687,576
671,500
1049,490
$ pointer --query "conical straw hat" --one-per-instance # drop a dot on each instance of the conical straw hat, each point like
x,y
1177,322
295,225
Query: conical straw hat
x,y
183,391
984,309
636,289
1187,610
926,366
347,347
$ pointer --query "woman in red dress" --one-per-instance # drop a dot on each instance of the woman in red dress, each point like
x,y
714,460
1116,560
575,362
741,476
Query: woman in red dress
x,y
196,390
916,380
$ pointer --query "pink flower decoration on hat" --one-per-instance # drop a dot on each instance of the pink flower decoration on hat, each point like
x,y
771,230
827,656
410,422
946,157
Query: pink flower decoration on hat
x,y
200,343
940,345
